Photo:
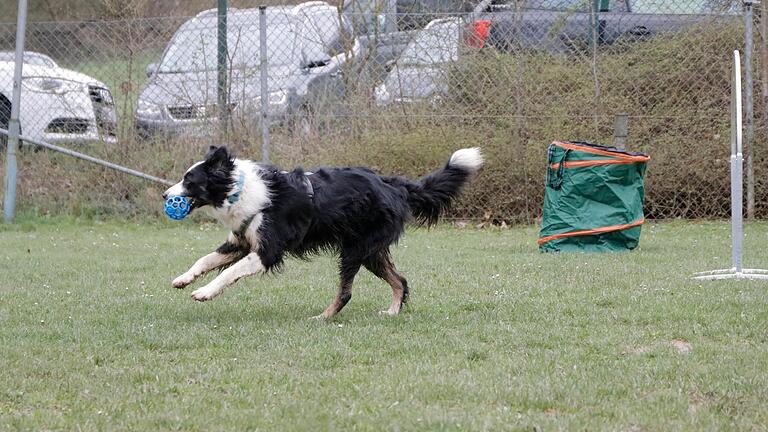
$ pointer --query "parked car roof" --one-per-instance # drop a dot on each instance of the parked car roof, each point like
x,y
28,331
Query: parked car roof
x,y
688,7
36,67
438,42
30,57
684,7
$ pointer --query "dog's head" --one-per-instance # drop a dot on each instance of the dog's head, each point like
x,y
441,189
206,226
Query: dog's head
x,y
207,182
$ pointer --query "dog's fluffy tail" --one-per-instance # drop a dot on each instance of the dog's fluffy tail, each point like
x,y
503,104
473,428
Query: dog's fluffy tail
x,y
434,193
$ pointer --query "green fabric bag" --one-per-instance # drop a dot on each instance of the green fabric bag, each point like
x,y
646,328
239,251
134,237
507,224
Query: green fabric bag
x,y
593,201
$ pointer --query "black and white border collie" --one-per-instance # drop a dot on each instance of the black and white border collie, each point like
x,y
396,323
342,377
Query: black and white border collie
x,y
353,212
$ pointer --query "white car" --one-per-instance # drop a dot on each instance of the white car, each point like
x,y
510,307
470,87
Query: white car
x,y
307,55
422,71
57,105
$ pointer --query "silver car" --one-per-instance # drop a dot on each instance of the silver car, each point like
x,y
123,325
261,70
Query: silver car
x,y
421,72
307,47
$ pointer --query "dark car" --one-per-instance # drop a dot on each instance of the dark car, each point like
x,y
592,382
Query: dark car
x,y
556,26
306,49
559,26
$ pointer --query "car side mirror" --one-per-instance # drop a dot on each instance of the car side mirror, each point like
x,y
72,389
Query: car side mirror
x,y
313,55
310,64
151,69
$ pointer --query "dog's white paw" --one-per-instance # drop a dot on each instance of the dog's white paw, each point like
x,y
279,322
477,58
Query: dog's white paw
x,y
390,312
183,280
204,294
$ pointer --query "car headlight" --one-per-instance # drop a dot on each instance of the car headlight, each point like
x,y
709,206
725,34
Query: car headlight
x,y
148,110
101,95
50,85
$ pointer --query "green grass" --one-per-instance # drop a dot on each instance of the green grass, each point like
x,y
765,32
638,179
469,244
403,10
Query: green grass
x,y
497,336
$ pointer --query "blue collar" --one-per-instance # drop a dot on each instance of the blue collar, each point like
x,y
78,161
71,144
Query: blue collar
x,y
235,197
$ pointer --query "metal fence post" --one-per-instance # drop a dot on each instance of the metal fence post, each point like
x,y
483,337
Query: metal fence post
x,y
264,76
594,24
749,106
620,130
594,42
222,68
9,202
763,68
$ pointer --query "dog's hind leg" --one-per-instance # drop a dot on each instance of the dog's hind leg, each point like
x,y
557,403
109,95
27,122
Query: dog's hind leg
x,y
347,271
380,264
250,265
225,254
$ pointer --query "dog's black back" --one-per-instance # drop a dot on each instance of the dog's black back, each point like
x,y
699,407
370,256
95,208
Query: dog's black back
x,y
352,211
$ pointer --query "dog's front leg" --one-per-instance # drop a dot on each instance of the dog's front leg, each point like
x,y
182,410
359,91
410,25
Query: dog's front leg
x,y
250,265
225,254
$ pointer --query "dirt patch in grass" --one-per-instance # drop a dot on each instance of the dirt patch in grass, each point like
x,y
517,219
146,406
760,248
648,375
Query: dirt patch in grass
x,y
681,346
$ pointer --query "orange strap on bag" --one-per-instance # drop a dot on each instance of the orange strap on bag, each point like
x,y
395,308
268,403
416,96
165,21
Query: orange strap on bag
x,y
618,158
601,230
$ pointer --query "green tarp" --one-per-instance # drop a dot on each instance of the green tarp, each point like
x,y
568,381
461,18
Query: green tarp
x,y
593,200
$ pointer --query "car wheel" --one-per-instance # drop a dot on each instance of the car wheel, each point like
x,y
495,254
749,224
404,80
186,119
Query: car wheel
x,y
5,120
5,117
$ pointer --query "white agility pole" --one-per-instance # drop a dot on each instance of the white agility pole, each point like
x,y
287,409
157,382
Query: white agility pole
x,y
737,190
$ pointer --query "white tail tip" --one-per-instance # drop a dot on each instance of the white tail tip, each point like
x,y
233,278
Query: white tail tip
x,y
469,158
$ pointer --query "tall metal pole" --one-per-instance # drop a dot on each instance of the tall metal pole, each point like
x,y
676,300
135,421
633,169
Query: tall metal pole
x,y
594,25
749,106
9,202
597,30
737,160
264,76
222,68
737,167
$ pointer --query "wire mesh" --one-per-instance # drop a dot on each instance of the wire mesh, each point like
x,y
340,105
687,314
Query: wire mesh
x,y
393,86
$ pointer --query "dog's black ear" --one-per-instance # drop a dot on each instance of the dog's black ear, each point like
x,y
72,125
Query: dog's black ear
x,y
211,150
218,158
217,154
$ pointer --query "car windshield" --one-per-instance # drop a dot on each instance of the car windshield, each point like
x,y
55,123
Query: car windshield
x,y
438,43
195,49
29,58
573,5
684,7
665,7
368,16
557,4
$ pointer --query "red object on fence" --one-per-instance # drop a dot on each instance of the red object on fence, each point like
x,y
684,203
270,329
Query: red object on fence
x,y
477,33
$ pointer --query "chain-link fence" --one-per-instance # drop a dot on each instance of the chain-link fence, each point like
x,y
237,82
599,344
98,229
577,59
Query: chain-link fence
x,y
393,86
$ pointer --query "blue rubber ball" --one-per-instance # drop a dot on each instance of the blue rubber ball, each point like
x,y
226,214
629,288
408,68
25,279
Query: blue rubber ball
x,y
177,207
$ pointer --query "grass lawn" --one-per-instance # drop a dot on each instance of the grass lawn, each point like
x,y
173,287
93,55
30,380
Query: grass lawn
x,y
496,337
